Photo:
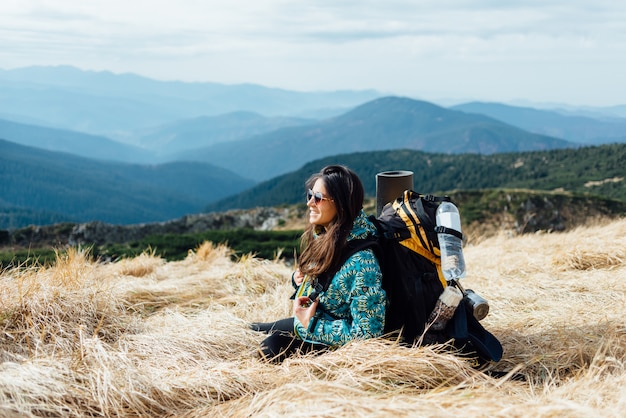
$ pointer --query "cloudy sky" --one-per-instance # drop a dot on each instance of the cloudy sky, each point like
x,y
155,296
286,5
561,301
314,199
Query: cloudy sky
x,y
542,51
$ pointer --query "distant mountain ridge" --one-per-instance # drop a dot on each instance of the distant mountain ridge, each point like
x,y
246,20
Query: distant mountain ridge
x,y
199,143
116,105
382,124
80,144
190,134
260,147
580,129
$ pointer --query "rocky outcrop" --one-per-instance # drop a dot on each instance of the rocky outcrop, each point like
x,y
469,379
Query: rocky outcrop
x,y
484,213
98,233
523,211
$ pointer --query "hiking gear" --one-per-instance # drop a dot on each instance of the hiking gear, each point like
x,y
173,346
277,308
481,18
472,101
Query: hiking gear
x,y
472,338
408,252
444,308
411,261
391,184
450,241
480,307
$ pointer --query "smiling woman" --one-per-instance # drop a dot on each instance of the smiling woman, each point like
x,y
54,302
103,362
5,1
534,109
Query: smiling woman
x,y
322,210
338,298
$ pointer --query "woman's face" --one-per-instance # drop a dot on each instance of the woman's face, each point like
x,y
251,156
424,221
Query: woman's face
x,y
324,211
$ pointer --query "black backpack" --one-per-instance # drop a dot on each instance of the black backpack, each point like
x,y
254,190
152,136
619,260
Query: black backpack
x,y
410,261
408,251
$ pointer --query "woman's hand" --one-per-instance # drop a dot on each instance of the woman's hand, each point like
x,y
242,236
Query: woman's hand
x,y
304,309
298,277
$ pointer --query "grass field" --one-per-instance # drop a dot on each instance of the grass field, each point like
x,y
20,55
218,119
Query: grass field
x,y
146,337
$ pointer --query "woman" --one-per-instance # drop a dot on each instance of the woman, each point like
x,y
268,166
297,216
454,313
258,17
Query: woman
x,y
329,309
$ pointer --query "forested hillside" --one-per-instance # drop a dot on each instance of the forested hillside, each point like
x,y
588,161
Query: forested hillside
x,y
42,186
589,170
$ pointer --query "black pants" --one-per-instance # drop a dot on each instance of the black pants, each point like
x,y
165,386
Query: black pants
x,y
282,342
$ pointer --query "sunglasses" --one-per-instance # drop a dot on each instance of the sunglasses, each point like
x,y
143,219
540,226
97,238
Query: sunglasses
x,y
317,197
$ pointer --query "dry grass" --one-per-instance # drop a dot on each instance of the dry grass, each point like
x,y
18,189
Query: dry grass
x,y
143,337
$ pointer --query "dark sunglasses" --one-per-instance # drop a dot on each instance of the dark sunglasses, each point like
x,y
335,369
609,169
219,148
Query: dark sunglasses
x,y
317,196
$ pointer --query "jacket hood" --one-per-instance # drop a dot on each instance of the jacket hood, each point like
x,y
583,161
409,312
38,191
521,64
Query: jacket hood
x,y
362,227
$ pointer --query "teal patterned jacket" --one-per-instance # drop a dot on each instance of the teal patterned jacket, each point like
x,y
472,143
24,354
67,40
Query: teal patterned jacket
x,y
353,306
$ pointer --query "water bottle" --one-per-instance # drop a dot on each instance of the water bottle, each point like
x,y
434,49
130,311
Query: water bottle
x,y
444,308
450,241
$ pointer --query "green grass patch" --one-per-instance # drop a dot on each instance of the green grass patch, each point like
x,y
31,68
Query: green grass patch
x,y
26,258
172,247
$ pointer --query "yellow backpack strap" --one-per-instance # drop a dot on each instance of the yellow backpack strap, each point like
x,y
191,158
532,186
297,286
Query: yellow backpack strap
x,y
418,241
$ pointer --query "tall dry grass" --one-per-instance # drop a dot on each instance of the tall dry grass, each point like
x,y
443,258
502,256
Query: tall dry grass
x,y
143,337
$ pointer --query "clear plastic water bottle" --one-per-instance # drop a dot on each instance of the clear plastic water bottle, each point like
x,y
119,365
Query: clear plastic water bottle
x,y
450,241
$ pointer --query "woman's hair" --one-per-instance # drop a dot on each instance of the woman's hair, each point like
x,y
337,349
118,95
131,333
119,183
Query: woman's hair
x,y
320,253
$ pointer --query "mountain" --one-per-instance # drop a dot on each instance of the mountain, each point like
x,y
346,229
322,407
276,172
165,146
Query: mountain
x,y
594,112
166,142
115,105
382,124
69,187
188,134
61,140
581,129
597,170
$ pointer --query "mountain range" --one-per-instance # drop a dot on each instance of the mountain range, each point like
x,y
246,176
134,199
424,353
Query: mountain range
x,y
382,124
576,128
62,140
80,145
66,187
119,105
259,147
180,140
42,187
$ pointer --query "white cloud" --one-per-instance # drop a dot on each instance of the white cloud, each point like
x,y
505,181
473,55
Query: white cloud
x,y
552,50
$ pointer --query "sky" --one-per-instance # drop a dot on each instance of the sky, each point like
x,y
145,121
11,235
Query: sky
x,y
537,51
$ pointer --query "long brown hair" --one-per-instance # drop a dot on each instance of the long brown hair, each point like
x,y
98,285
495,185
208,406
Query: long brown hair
x,y
320,253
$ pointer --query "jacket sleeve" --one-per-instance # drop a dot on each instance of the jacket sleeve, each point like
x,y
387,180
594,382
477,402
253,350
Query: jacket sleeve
x,y
353,307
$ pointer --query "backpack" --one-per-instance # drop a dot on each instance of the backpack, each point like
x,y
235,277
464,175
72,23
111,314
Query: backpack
x,y
407,248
